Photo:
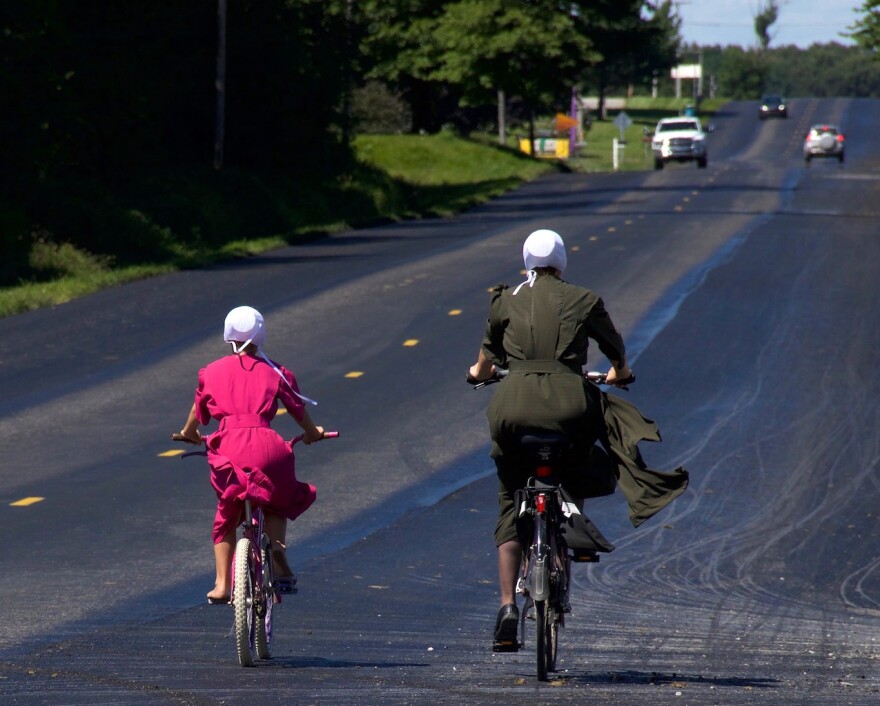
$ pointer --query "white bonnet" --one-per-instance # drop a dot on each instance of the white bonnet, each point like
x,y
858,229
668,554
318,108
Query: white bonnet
x,y
544,248
244,325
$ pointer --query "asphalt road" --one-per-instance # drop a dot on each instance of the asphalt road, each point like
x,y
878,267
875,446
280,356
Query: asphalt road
x,y
748,295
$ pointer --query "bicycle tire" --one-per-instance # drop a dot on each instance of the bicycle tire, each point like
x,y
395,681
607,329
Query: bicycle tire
x,y
552,637
263,623
543,642
243,602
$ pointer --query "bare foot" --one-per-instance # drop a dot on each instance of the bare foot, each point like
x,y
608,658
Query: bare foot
x,y
280,567
219,593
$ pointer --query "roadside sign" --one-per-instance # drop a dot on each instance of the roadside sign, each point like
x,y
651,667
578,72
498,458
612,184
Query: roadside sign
x,y
622,121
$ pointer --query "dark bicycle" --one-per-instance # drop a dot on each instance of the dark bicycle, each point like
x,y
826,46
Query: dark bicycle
x,y
545,512
546,564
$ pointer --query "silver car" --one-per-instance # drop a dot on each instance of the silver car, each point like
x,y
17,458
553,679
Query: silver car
x,y
824,140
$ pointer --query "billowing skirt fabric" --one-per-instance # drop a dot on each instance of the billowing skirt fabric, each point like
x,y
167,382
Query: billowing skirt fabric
x,y
249,460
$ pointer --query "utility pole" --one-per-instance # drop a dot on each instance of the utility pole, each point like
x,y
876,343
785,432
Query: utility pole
x,y
220,86
502,119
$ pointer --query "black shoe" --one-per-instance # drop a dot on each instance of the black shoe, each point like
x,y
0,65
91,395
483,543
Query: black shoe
x,y
505,629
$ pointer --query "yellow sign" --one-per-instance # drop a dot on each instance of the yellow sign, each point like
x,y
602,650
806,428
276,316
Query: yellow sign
x,y
547,147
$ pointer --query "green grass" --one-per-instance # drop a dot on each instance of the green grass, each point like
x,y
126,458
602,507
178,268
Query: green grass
x,y
169,222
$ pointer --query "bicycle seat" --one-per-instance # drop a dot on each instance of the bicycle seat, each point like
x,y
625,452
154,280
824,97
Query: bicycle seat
x,y
546,445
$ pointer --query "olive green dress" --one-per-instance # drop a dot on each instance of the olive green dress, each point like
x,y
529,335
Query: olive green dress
x,y
541,335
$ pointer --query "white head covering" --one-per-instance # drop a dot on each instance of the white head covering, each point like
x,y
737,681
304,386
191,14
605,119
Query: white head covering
x,y
245,325
543,248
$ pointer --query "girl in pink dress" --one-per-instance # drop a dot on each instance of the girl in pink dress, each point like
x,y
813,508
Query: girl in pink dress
x,y
247,458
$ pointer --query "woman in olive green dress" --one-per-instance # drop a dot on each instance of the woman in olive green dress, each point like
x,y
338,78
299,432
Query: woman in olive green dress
x,y
540,331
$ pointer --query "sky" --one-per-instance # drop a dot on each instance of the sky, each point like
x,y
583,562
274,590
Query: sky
x,y
800,22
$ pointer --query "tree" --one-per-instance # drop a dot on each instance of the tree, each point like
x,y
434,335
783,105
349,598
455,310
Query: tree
x,y
764,18
396,45
866,31
529,50
633,39
742,75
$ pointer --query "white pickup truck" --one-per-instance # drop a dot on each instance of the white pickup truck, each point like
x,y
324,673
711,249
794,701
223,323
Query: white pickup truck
x,y
681,139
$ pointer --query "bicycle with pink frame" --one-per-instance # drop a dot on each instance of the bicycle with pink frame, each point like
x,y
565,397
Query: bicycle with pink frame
x,y
253,588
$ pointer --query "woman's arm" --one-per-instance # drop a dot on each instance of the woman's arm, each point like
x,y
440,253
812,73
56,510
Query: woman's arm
x,y
602,329
483,369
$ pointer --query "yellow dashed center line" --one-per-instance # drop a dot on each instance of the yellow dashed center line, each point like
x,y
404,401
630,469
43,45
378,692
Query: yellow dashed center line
x,y
594,238
612,229
410,342
354,374
455,312
575,248
24,502
173,452
679,208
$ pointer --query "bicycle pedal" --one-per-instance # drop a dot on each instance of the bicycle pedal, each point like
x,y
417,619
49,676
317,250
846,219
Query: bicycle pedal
x,y
505,646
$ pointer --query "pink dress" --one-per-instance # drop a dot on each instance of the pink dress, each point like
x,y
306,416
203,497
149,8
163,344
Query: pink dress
x,y
248,459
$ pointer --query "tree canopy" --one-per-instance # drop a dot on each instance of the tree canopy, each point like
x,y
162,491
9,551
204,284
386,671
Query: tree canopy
x,y
866,31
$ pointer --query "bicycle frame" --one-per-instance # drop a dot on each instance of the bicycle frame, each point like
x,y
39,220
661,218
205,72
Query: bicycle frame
x,y
252,528
252,586
545,568
253,593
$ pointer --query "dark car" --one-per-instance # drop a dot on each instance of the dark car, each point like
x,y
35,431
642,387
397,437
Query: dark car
x,y
772,107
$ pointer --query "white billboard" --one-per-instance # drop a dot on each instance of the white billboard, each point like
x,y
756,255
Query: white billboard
x,y
687,71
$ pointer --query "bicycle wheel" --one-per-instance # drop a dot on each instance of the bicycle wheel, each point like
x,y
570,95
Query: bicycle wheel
x,y
552,636
544,642
243,602
263,609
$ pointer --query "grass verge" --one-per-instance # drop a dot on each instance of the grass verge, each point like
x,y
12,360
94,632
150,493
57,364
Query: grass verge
x,y
99,236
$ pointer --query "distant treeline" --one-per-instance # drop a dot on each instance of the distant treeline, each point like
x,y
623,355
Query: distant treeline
x,y
110,129
822,70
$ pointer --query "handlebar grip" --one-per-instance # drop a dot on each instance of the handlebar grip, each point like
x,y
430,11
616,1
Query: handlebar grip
x,y
626,381
327,435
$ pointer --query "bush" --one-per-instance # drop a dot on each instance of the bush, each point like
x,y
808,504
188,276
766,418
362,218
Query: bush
x,y
376,109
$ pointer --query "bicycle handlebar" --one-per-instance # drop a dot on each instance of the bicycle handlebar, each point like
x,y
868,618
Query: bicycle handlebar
x,y
177,436
592,376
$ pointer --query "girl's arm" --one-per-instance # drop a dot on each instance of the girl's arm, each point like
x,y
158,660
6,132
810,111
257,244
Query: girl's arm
x,y
312,432
190,432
